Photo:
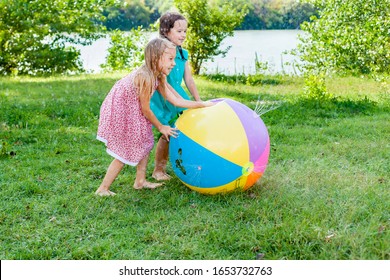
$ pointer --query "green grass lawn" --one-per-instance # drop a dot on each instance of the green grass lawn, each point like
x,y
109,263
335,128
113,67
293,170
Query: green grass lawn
x,y
325,193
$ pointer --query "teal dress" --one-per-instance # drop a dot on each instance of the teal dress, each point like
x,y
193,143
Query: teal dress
x,y
166,112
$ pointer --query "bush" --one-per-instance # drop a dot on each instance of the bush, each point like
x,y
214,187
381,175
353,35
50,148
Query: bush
x,y
34,34
348,37
126,51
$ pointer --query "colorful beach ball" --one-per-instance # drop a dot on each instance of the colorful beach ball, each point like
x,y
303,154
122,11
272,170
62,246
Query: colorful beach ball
x,y
220,148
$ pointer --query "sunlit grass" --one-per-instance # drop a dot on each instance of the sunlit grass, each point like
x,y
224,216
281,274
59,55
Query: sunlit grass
x,y
324,195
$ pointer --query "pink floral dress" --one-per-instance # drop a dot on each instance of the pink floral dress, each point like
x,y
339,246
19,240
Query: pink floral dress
x,y
126,132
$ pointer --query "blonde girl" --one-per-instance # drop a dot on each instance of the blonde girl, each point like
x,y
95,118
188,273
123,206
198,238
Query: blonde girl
x,y
126,120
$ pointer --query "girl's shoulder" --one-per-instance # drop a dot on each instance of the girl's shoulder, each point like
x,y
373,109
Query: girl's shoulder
x,y
185,53
182,53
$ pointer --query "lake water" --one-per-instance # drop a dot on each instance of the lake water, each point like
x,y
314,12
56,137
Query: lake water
x,y
270,46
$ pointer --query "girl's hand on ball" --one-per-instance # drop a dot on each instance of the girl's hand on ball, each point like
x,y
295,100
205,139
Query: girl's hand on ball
x,y
207,103
168,131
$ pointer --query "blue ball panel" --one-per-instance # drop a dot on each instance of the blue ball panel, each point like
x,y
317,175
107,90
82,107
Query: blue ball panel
x,y
197,166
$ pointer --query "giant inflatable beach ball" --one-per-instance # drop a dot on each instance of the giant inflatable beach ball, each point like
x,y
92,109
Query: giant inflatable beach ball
x,y
219,148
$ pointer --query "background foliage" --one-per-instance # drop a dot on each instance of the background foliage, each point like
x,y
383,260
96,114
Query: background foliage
x,y
128,14
126,50
262,14
348,37
40,37
208,25
276,14
35,35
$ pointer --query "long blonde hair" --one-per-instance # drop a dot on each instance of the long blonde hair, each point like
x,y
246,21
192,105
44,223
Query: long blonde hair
x,y
147,74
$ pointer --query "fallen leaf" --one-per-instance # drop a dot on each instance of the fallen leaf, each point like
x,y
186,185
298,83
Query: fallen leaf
x,y
329,237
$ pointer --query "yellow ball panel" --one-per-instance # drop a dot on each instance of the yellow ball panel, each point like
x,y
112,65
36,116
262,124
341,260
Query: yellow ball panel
x,y
218,129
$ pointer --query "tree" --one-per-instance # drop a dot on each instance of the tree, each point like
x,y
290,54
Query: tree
x,y
348,37
159,7
127,14
296,13
208,25
130,14
127,49
36,35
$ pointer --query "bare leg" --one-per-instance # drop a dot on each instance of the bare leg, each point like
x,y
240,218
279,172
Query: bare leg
x,y
112,172
161,160
140,179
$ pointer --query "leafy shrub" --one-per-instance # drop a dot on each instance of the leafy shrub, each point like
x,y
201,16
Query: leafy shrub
x,y
126,51
347,37
315,88
35,35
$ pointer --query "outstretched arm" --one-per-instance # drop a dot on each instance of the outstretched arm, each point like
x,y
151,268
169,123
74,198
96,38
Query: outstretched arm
x,y
173,91
190,83
178,101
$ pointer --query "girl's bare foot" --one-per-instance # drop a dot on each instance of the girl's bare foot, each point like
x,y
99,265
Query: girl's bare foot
x,y
146,185
161,176
104,193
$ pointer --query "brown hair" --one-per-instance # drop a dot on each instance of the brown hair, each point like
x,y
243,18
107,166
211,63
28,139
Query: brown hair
x,y
167,21
147,74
